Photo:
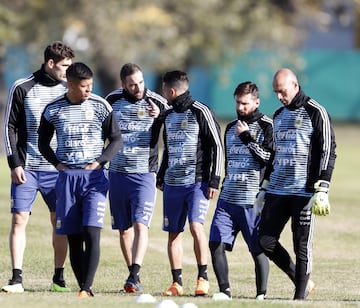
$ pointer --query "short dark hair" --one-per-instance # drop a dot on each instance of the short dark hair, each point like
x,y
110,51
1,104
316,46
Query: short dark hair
x,y
128,69
176,79
58,51
78,71
247,87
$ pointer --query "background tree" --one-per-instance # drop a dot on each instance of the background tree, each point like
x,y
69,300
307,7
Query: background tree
x,y
9,23
159,34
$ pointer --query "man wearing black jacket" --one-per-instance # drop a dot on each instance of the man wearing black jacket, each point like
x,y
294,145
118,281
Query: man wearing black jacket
x,y
84,122
134,167
297,179
30,172
248,145
189,175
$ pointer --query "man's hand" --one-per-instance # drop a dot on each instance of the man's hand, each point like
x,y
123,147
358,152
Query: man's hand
x,y
319,202
153,109
61,166
260,198
160,187
92,166
240,127
160,184
18,175
211,193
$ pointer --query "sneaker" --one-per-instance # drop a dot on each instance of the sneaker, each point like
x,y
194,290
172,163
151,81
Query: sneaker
x,y
174,290
132,286
59,287
85,294
202,287
310,287
260,297
12,287
221,296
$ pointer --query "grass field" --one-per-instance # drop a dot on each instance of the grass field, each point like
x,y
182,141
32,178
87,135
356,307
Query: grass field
x,y
336,268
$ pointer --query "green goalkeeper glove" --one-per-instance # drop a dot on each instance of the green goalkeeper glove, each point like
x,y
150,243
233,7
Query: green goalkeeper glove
x,y
260,198
319,202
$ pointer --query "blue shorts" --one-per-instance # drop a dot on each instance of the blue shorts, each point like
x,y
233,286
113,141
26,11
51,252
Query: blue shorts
x,y
184,201
23,195
229,219
81,200
132,199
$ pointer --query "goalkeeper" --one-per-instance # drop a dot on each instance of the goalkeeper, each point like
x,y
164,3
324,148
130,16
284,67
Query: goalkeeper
x,y
297,181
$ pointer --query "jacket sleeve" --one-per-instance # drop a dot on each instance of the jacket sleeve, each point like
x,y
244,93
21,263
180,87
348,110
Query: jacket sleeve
x,y
212,133
45,134
323,148
15,127
260,151
164,163
159,121
225,146
113,134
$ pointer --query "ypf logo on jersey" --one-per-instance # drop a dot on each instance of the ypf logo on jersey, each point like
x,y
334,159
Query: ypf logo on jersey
x,y
89,114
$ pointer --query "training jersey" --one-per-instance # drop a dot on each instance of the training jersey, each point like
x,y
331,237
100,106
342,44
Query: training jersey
x,y
192,144
304,145
140,131
81,130
26,101
245,157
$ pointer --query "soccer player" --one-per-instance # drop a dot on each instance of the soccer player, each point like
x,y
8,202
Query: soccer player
x,y
297,181
30,172
189,176
248,145
83,122
133,168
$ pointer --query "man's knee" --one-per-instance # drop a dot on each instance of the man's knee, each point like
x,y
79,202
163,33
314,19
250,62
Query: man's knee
x,y
216,246
20,220
267,243
217,250
197,230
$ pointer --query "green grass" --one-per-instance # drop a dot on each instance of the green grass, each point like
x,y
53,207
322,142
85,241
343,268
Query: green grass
x,y
336,268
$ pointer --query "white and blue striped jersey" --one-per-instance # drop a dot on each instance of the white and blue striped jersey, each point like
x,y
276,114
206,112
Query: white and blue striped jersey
x,y
193,150
304,145
182,133
140,132
245,159
26,101
79,129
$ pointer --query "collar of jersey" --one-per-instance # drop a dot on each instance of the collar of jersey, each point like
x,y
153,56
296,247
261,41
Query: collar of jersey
x,y
182,102
252,117
298,101
44,78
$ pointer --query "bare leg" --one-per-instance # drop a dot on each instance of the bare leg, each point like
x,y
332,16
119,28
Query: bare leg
x,y
200,242
200,250
17,244
175,250
175,254
17,238
60,244
140,244
126,244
